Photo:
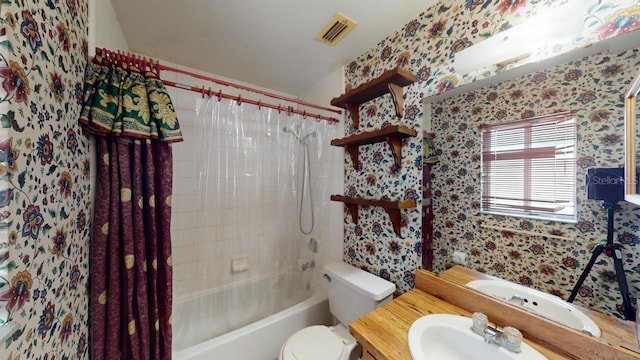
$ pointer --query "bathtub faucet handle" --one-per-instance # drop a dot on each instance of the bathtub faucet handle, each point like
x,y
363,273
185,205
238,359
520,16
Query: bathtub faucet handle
x,y
326,277
313,245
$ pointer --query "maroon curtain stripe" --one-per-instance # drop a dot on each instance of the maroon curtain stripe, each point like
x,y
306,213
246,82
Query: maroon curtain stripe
x,y
114,335
140,300
151,231
123,211
98,261
164,179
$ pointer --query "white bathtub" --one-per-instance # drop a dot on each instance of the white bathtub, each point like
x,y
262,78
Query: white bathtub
x,y
260,340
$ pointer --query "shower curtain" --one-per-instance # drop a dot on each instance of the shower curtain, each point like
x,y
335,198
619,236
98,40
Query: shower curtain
x,y
238,248
132,118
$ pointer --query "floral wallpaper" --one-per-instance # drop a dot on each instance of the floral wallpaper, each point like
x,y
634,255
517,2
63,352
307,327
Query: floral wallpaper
x,y
372,244
427,46
44,178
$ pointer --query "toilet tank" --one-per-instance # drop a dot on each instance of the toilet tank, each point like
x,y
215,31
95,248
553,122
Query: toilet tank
x,y
354,292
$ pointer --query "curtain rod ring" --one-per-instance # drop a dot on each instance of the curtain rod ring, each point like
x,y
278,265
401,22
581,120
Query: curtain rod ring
x,y
220,95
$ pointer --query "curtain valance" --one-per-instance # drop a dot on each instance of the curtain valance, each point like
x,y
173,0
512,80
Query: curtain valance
x,y
119,100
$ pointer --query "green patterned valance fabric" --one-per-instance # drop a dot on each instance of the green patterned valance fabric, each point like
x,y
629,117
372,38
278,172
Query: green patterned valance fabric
x,y
124,102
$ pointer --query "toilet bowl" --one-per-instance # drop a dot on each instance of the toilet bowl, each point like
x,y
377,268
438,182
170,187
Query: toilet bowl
x,y
352,294
319,342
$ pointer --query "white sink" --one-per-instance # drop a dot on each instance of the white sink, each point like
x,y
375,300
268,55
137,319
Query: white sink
x,y
543,304
449,337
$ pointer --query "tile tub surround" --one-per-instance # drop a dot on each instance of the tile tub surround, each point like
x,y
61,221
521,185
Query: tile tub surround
x,y
211,226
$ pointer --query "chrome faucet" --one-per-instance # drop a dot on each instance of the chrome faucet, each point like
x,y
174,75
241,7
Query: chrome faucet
x,y
517,299
510,338
490,335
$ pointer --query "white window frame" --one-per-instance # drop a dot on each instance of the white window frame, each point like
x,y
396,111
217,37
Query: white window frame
x,y
552,196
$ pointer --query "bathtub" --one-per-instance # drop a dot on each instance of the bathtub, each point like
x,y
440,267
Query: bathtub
x,y
259,340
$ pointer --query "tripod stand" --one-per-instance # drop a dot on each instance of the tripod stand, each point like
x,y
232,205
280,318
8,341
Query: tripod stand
x,y
612,250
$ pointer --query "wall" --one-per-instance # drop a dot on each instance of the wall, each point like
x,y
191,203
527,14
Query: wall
x,y
426,46
104,27
45,177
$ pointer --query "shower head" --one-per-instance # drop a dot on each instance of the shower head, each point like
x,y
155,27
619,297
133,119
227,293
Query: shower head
x,y
309,134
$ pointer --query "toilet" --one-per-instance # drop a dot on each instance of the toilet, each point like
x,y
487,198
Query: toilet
x,y
352,294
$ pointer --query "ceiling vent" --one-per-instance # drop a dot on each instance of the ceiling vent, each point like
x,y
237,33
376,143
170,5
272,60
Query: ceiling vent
x,y
336,29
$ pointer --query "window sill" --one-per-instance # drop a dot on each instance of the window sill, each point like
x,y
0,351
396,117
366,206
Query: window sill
x,y
531,217
5,331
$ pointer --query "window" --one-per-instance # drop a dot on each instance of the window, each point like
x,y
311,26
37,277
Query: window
x,y
528,168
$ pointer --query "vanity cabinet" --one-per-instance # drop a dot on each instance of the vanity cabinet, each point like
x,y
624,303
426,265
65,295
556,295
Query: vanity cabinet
x,y
390,82
366,354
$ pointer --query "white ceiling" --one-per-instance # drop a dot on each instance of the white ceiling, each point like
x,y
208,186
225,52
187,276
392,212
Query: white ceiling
x,y
266,43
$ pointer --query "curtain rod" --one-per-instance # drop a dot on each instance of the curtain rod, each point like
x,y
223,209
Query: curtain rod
x,y
156,67
290,110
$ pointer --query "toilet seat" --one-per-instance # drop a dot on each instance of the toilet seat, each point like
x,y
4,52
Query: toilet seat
x,y
317,342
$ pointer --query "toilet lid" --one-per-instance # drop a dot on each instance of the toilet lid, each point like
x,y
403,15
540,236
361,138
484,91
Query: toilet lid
x,y
314,343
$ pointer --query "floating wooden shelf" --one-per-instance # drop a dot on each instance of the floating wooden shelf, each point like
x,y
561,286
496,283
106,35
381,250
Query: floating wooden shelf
x,y
392,135
391,81
391,207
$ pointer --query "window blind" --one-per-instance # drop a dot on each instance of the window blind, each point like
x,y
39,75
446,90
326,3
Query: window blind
x,y
529,167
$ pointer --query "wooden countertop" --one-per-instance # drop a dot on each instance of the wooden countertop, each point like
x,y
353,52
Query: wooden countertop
x,y
383,332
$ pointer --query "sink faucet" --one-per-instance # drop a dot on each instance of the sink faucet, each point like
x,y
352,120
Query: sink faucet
x,y
517,299
510,338
490,335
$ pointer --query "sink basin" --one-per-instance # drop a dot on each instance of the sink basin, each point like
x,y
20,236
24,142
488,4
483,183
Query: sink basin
x,y
543,304
448,337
